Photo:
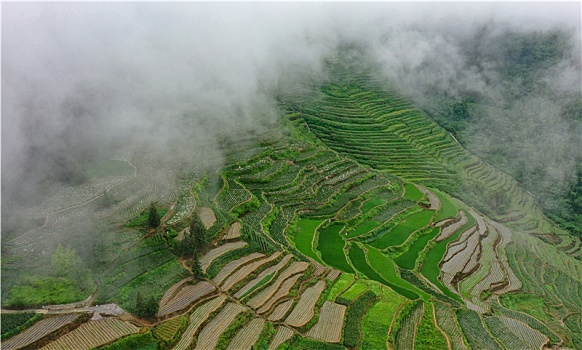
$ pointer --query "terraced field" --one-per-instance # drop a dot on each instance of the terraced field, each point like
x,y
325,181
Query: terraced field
x,y
345,223
93,334
38,331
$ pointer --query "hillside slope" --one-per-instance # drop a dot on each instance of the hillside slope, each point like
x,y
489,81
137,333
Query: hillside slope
x,y
356,222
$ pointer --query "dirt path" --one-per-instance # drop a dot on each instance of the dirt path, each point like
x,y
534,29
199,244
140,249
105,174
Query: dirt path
x,y
105,309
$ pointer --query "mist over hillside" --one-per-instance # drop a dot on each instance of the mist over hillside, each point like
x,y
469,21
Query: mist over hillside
x,y
79,80
291,175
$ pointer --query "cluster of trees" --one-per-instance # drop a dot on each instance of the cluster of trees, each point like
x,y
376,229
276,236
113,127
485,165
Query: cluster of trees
x,y
146,307
187,248
193,241
153,216
66,263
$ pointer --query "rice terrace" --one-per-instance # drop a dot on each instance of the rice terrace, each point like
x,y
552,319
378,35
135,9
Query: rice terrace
x,y
346,212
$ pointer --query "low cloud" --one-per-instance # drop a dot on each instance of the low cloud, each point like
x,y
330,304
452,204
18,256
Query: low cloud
x,y
79,78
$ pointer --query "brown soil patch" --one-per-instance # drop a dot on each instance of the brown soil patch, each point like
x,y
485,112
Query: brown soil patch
x,y
207,216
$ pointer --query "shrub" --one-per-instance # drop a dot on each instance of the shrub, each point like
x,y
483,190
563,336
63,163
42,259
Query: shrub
x,y
13,324
356,310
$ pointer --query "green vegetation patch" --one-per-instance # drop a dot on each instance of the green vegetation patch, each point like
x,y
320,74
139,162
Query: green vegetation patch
x,y
384,271
474,330
407,260
356,310
38,291
412,192
168,330
144,341
376,320
404,229
365,227
427,335
449,209
352,293
372,203
301,343
331,246
267,334
340,285
153,283
304,237
528,303
142,220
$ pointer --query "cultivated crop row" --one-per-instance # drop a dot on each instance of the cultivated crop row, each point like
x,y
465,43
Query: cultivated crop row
x,y
530,336
448,230
355,312
184,208
281,292
233,265
447,321
319,269
232,198
330,324
461,257
197,318
527,319
514,282
38,330
407,332
93,334
474,331
186,296
267,272
264,295
171,292
304,309
244,271
247,336
511,340
489,272
209,335
281,310
282,335
207,259
333,275
167,330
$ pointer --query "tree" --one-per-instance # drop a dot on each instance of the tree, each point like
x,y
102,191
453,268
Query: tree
x,y
139,305
196,267
152,307
185,247
65,262
154,216
146,307
198,232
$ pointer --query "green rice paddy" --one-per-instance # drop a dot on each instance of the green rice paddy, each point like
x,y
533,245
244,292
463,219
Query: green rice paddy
x,y
304,237
404,229
331,245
